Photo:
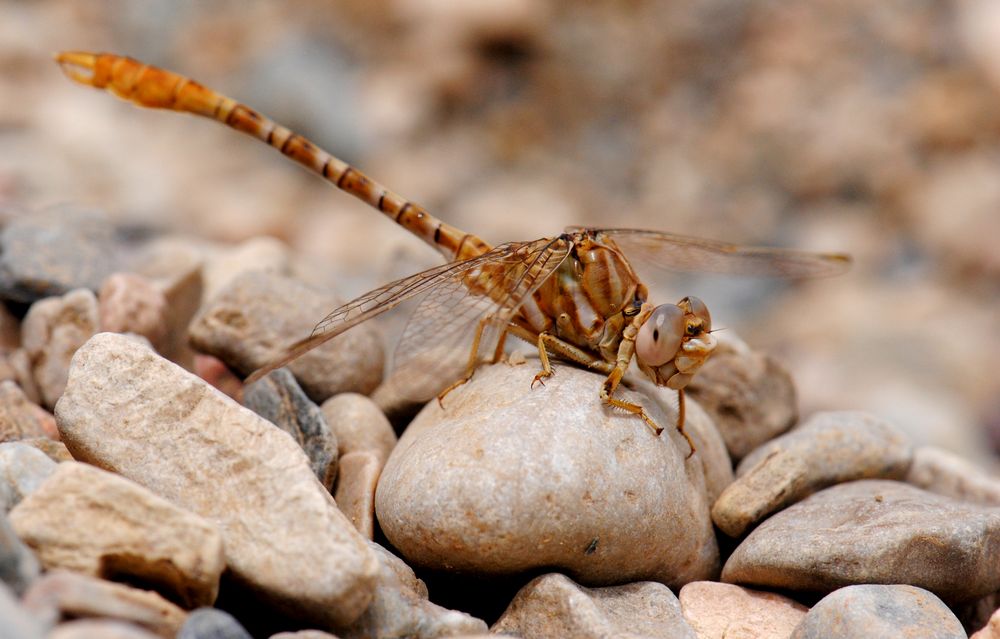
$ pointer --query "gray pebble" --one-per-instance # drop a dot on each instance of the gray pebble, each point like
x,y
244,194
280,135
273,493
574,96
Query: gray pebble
x,y
212,623
18,565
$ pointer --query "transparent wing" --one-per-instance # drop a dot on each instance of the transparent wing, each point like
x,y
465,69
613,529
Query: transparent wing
x,y
446,277
437,343
683,253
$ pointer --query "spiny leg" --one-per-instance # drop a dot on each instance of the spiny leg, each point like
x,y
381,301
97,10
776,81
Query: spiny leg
x,y
547,343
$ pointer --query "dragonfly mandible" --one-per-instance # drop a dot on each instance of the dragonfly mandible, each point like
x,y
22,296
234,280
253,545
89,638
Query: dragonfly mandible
x,y
575,296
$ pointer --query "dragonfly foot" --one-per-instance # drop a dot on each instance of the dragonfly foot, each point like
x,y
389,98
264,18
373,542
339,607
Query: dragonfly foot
x,y
540,379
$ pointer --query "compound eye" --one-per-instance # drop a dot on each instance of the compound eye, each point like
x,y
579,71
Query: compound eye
x,y
696,307
660,336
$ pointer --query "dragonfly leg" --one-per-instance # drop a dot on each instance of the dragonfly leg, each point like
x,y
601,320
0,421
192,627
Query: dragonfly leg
x,y
470,367
548,343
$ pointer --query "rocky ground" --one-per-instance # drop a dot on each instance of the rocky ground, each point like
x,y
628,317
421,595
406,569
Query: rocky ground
x,y
844,480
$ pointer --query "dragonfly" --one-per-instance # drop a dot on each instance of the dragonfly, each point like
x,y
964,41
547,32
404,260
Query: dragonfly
x,y
574,296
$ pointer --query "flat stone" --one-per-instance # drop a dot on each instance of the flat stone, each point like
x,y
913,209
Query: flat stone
x,y
103,628
945,473
279,399
52,252
18,565
749,395
259,313
401,609
210,623
870,610
96,523
129,303
873,531
829,448
466,487
52,331
718,611
554,606
62,594
19,417
356,482
359,424
23,468
991,630
130,411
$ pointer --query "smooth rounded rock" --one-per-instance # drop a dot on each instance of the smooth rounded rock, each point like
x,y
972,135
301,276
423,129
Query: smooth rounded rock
x,y
128,410
828,448
506,478
211,623
129,303
945,473
359,425
356,482
554,606
52,331
880,612
873,531
94,522
749,395
721,611
259,313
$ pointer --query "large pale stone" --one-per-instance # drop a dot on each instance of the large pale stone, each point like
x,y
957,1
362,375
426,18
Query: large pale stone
x,y
506,478
874,531
130,411
91,521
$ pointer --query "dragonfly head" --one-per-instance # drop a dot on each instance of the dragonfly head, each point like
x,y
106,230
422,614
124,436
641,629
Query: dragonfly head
x,y
674,342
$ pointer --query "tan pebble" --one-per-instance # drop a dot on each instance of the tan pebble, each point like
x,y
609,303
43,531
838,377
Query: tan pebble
x,y
129,303
356,480
359,425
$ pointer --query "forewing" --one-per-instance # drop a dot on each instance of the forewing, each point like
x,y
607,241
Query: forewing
x,y
436,345
674,252
378,301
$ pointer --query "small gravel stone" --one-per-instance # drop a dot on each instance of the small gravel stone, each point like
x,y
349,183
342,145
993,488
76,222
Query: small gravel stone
x,y
827,449
506,478
62,594
875,611
279,399
52,331
720,611
355,496
23,468
401,609
18,565
945,473
256,315
129,303
873,531
554,606
19,417
52,252
99,628
210,623
359,424
749,395
128,410
96,523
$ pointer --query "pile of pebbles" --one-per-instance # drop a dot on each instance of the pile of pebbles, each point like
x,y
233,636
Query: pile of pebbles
x,y
147,493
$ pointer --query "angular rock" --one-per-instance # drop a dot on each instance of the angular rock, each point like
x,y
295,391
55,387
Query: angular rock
x,y
749,395
19,417
52,331
867,611
355,496
15,621
129,303
103,628
716,611
130,411
945,473
70,595
23,468
279,399
259,313
554,606
210,623
991,630
873,531
18,566
827,449
401,609
506,478
96,523
359,425
52,252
